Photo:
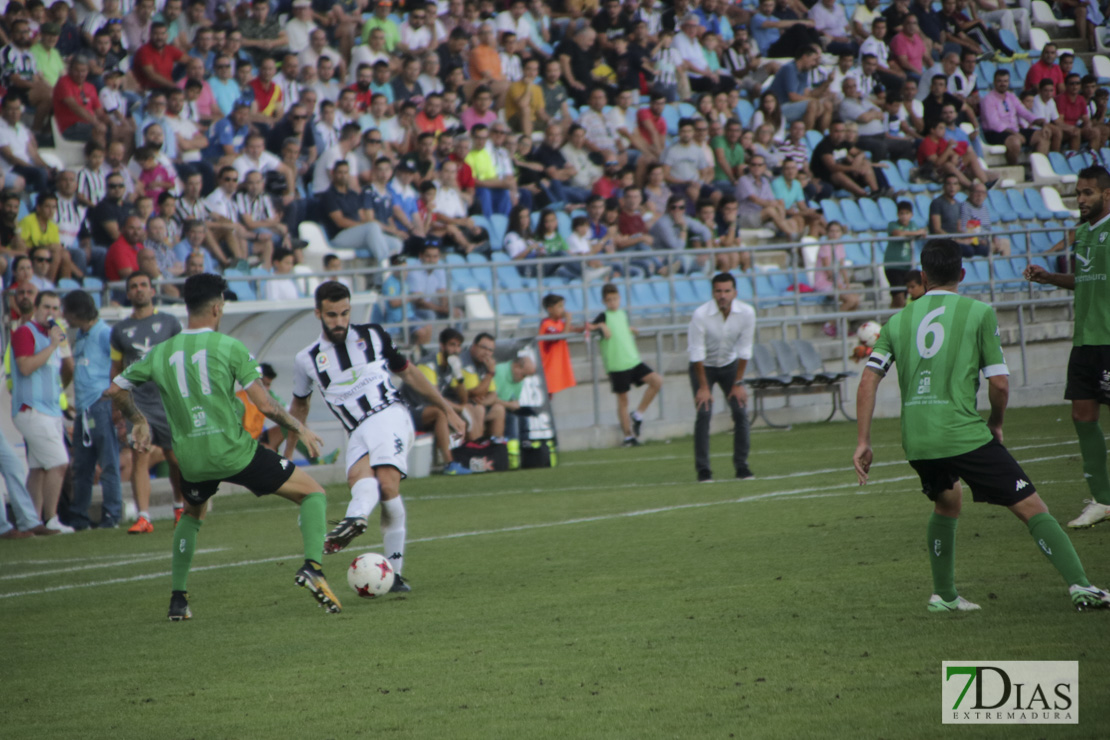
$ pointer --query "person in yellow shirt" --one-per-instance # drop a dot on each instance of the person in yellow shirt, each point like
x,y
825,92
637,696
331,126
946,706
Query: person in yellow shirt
x,y
493,192
524,106
39,229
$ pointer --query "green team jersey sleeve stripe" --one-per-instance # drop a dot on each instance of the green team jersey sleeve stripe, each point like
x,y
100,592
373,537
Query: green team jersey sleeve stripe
x,y
990,347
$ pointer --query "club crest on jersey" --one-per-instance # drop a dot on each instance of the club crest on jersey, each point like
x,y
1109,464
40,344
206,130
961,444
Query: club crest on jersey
x,y
361,344
156,326
130,332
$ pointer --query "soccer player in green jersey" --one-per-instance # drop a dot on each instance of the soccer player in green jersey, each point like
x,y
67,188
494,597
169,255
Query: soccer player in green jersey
x,y
1088,383
196,372
941,343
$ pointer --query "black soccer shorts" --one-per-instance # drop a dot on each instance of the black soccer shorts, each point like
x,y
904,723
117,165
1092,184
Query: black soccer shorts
x,y
991,472
265,474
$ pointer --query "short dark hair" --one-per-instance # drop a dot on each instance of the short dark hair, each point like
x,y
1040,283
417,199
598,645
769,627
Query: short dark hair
x,y
448,334
281,253
608,289
905,205
552,299
133,275
723,277
1097,173
941,261
331,291
80,305
483,335
201,290
44,294
914,276
267,370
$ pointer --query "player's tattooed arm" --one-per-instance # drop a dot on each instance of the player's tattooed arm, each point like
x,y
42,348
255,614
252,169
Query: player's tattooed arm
x,y
124,402
275,413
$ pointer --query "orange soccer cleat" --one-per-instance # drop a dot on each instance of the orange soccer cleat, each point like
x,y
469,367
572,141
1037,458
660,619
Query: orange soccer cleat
x,y
143,526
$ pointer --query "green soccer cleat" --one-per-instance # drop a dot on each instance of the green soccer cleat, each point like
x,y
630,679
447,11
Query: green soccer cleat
x,y
179,607
959,604
1089,597
312,578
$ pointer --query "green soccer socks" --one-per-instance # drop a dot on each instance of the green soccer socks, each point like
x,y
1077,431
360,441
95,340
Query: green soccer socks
x,y
942,555
1092,447
1055,544
314,525
184,545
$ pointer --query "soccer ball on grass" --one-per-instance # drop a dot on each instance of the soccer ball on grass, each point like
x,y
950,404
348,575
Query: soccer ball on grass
x,y
370,575
868,333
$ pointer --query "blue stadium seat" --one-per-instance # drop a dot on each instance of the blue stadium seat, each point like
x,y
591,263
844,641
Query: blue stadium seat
x,y
889,210
1021,70
984,75
872,215
564,223
744,289
1006,277
1019,205
1035,203
1000,206
573,297
895,179
744,111
905,167
832,211
67,284
853,216
1059,163
921,207
813,138
506,306
670,117
95,288
499,226
239,285
643,298
858,253
684,293
509,278
702,289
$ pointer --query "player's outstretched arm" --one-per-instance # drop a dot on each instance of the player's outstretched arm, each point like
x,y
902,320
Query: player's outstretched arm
x,y
865,409
1037,274
299,411
124,402
258,395
420,383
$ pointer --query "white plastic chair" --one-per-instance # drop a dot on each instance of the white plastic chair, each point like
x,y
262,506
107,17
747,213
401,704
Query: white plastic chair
x,y
1043,16
72,153
1043,174
1038,37
1054,202
318,246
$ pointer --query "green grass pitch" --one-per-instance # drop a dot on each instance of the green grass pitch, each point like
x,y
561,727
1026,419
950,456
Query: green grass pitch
x,y
611,597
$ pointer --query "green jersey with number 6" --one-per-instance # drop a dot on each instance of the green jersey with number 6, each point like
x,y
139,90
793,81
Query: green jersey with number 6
x,y
196,372
1092,299
940,343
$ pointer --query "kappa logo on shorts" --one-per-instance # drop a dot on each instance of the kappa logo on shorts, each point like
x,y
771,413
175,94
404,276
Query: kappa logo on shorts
x,y
1021,484
398,445
285,464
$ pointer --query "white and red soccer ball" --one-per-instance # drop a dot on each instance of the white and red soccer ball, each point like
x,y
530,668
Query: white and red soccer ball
x,y
868,333
370,575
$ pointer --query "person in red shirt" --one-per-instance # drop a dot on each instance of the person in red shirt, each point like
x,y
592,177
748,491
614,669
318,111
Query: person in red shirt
x,y
555,355
77,109
268,105
1045,68
361,88
1072,108
123,255
153,67
652,127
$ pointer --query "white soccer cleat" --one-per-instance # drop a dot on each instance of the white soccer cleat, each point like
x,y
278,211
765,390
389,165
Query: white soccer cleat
x,y
959,604
1088,597
56,524
1093,513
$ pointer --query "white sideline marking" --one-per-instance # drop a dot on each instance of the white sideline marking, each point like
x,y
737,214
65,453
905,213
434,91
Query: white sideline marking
x,y
811,492
818,492
126,561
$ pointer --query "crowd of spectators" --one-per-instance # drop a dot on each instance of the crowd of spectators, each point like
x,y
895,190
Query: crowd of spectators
x,y
218,128
613,132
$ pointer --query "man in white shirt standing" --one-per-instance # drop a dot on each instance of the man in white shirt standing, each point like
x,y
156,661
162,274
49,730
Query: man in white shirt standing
x,y
719,344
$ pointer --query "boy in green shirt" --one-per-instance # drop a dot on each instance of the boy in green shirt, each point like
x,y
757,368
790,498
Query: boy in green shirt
x,y
898,257
196,372
621,359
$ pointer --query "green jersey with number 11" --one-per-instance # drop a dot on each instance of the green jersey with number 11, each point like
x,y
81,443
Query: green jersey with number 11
x,y
940,343
196,372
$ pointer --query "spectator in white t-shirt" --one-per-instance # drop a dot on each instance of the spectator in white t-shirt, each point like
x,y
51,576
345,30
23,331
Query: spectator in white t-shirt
x,y
280,290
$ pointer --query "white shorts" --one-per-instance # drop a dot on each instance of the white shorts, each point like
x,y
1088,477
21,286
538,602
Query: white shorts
x,y
386,437
45,438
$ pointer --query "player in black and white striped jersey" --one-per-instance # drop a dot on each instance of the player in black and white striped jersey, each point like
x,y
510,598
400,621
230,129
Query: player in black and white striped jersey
x,y
351,364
